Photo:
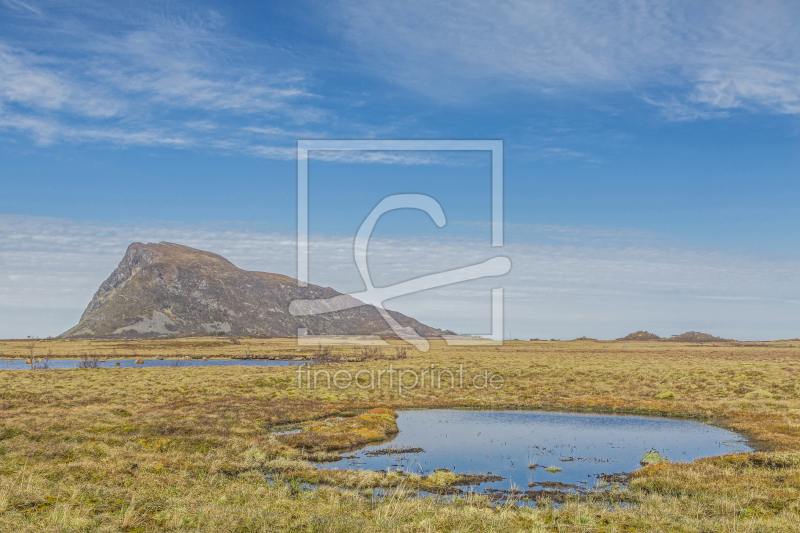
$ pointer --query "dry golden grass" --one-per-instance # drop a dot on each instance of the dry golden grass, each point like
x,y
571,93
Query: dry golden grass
x,y
343,433
195,347
187,449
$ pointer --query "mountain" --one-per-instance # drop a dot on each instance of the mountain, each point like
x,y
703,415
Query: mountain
x,y
640,336
162,289
696,336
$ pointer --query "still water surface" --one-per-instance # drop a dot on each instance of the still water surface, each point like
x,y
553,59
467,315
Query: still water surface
x,y
505,443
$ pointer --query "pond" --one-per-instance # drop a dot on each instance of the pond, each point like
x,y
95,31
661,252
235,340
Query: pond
x,y
20,364
532,450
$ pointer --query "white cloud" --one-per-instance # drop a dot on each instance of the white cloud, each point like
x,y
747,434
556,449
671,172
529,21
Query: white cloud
x,y
19,5
109,76
182,77
36,82
678,111
713,55
768,86
574,284
46,131
186,66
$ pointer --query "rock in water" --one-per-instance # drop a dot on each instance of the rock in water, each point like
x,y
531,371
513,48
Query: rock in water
x,y
653,458
139,361
168,289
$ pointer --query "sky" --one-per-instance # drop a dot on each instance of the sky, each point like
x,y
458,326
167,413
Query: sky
x,y
651,154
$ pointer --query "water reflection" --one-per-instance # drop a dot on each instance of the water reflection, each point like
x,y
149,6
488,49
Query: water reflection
x,y
534,449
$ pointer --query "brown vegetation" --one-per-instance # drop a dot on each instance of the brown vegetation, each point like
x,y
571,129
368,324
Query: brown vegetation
x,y
343,433
182,449
640,336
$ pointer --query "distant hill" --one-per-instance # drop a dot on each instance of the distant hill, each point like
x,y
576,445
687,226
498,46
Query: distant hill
x,y
168,289
695,336
641,336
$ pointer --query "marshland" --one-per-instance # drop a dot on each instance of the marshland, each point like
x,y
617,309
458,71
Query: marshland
x,y
245,448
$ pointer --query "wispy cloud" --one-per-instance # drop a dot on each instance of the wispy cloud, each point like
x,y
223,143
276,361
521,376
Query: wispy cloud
x,y
771,86
96,74
712,56
33,82
563,285
19,5
557,152
184,77
678,111
181,79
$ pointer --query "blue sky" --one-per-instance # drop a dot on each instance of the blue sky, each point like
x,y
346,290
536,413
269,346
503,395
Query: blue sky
x,y
651,151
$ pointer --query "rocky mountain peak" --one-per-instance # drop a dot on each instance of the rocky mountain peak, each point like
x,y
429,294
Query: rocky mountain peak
x,y
171,289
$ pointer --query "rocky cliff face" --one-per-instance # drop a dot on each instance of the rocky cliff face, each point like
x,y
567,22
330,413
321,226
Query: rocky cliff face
x,y
161,289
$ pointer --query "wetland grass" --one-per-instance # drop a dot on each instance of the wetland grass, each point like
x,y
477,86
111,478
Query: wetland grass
x,y
184,449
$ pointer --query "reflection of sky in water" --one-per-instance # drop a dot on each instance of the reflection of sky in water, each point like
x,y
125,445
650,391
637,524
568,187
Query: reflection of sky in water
x,y
505,442
20,364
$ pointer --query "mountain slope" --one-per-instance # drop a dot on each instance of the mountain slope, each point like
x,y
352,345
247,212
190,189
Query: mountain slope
x,y
165,288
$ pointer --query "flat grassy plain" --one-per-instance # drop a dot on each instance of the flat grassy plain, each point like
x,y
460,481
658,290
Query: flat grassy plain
x,y
190,449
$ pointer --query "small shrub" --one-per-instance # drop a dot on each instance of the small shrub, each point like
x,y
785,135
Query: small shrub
x,y
367,352
89,361
323,353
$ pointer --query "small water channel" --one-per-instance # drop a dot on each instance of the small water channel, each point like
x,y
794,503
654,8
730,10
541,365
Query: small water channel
x,y
20,364
532,450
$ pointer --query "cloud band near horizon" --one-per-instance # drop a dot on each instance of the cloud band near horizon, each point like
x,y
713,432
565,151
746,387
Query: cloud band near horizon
x,y
563,283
